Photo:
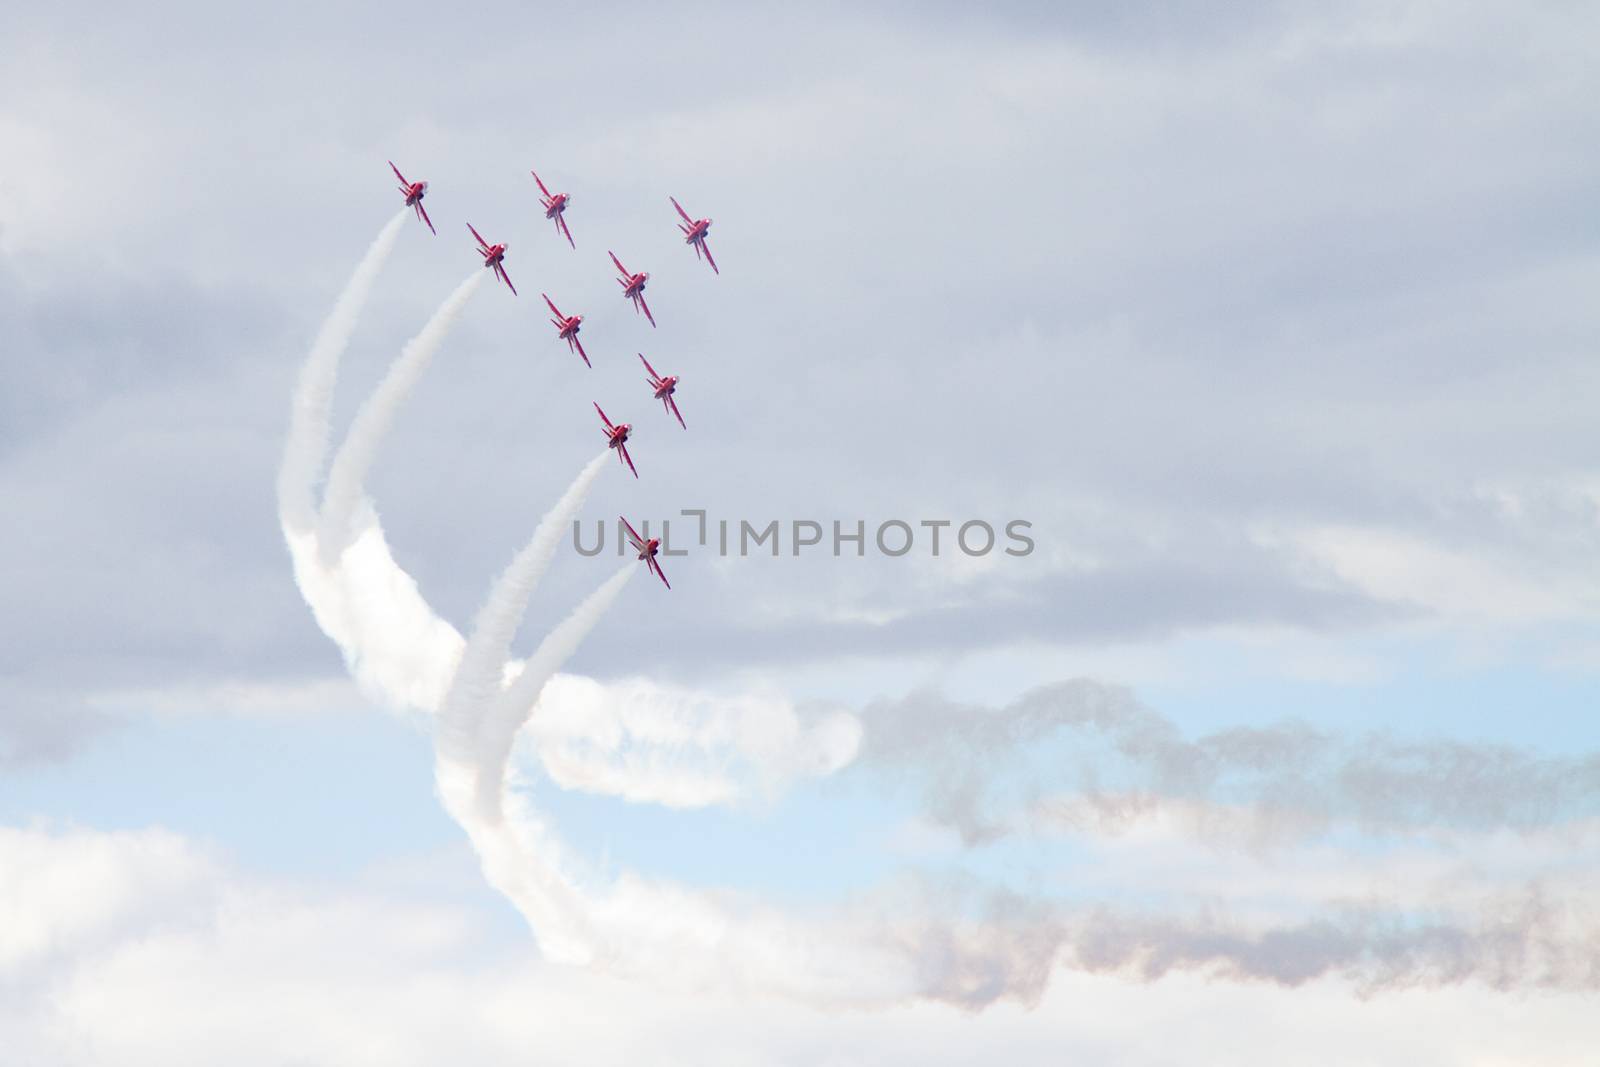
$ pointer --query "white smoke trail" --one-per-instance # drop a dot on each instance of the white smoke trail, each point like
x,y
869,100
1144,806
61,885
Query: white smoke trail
x,y
400,652
481,676
883,949
509,712
987,772
394,645
307,446
682,747
887,947
667,934
350,465
520,858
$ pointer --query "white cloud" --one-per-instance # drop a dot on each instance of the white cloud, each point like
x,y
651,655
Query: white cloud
x,y
62,892
270,975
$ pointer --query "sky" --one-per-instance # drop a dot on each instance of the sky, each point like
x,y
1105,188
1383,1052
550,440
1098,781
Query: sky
x,y
1276,329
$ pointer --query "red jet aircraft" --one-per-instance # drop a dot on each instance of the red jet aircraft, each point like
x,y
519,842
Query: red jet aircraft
x,y
664,388
647,551
633,287
567,327
617,438
494,258
414,192
695,233
555,207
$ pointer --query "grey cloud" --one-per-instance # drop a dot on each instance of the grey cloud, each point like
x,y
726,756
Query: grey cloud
x,y
73,342
1149,601
1190,272
37,728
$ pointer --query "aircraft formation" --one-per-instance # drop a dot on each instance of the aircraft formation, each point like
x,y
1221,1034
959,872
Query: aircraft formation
x,y
662,387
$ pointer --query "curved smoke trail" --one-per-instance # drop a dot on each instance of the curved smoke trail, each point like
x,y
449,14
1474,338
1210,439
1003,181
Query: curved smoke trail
x,y
307,446
901,943
509,711
398,650
481,676
360,448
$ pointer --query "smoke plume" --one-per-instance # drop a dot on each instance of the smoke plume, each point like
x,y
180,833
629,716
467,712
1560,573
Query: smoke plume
x,y
480,678
355,457
307,446
959,940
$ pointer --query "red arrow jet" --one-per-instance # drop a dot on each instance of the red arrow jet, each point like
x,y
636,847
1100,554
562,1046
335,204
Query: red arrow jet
x,y
633,287
694,233
555,207
494,258
647,551
617,438
567,327
664,388
414,192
